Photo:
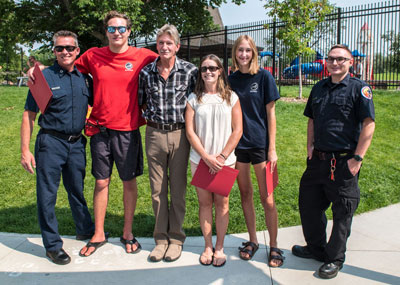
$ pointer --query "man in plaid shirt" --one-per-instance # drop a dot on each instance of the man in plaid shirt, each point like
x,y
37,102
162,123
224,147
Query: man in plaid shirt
x,y
164,86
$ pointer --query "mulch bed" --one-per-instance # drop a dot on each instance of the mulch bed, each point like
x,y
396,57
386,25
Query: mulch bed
x,y
294,100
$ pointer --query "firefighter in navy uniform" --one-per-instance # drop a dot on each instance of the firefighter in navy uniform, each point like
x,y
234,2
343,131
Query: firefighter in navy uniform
x,y
340,129
60,146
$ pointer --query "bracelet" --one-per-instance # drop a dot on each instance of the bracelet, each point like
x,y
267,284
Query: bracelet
x,y
223,156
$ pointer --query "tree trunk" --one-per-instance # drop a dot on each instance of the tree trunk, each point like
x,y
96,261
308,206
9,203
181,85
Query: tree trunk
x,y
101,37
300,79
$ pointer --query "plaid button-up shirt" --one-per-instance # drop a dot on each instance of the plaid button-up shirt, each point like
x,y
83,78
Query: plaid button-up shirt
x,y
166,99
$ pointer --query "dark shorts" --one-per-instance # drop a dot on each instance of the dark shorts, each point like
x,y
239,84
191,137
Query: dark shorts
x,y
125,148
253,155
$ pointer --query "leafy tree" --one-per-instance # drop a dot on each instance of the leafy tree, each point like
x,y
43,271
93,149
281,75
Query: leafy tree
x,y
324,32
380,63
9,37
39,19
394,47
301,18
188,16
45,56
7,28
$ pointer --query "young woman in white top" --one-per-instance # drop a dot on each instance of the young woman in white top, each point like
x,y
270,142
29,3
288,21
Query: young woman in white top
x,y
213,128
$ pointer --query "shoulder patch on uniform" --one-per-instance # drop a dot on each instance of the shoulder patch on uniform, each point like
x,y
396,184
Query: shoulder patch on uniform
x,y
366,92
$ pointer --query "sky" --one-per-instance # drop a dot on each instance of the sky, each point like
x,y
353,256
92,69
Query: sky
x,y
253,10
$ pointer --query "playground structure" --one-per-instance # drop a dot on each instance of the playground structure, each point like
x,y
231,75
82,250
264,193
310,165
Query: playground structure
x,y
363,56
316,68
263,60
366,45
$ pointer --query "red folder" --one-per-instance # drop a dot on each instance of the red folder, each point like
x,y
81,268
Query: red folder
x,y
220,183
40,89
272,178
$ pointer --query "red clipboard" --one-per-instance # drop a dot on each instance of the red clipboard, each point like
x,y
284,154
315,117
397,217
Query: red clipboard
x,y
40,89
272,178
220,183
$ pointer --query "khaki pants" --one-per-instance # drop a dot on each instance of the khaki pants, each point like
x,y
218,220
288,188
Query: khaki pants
x,y
167,158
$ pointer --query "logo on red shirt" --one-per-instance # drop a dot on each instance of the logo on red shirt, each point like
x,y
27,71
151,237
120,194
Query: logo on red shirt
x,y
128,66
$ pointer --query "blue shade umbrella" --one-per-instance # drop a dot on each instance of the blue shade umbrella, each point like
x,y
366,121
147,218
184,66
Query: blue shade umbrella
x,y
267,53
356,53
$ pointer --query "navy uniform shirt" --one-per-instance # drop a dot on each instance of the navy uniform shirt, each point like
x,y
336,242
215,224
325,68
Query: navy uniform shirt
x,y
338,111
255,92
72,91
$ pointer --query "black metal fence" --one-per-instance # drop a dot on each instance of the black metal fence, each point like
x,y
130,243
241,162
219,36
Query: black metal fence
x,y
371,31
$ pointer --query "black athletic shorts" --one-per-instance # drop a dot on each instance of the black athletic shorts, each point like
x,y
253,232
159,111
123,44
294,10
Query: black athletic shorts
x,y
253,155
123,148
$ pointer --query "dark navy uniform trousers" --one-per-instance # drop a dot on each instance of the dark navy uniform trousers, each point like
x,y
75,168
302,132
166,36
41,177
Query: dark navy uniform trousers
x,y
317,193
56,157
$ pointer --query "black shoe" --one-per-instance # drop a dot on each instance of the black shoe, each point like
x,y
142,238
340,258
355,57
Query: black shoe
x,y
58,256
330,270
84,236
302,251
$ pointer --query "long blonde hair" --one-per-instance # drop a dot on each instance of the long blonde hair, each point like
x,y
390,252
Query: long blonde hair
x,y
223,87
254,66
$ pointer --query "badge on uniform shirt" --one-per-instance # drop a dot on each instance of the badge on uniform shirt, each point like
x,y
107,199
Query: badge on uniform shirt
x,y
366,92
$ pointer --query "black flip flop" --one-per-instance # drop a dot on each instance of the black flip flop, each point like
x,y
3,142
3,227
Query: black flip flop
x,y
131,242
96,245
206,264
222,264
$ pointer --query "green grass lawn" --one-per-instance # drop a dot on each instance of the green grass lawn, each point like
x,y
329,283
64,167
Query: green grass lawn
x,y
379,180
387,76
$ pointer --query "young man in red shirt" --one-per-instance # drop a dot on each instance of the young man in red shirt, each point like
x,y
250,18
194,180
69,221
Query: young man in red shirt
x,y
115,120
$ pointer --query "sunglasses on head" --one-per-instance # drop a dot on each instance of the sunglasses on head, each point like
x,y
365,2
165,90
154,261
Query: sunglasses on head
x,y
112,29
61,48
210,68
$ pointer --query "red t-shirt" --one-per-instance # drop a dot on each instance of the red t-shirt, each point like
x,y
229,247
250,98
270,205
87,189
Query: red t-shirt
x,y
115,84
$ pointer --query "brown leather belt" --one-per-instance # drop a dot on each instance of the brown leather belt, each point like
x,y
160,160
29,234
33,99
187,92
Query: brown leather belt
x,y
328,155
166,127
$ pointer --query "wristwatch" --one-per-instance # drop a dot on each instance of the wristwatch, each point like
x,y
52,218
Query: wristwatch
x,y
357,157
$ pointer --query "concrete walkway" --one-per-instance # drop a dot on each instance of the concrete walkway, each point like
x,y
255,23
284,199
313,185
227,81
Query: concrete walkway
x,y
373,257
